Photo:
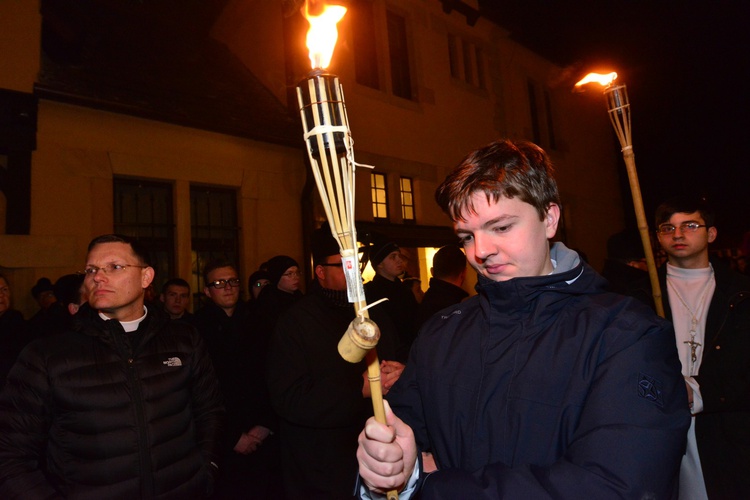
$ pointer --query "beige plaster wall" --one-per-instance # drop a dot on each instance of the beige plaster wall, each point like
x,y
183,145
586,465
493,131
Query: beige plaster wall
x,y
20,42
80,150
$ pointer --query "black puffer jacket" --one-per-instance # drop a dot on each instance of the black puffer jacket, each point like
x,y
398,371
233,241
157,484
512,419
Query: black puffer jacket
x,y
98,413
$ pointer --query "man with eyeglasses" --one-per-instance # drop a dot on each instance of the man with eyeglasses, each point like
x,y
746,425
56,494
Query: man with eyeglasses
x,y
321,398
709,305
125,404
248,447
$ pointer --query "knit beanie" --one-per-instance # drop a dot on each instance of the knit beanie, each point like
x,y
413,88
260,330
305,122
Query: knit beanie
x,y
42,285
380,251
323,244
278,265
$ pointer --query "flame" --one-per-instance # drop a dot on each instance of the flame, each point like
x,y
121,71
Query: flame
x,y
603,80
322,35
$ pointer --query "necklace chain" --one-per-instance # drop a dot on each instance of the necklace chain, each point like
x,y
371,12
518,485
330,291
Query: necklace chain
x,y
694,319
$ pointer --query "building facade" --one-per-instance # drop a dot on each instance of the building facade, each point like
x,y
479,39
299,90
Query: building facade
x,y
177,122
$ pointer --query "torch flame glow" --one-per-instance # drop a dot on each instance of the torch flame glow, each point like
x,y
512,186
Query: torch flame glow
x,y
603,80
322,35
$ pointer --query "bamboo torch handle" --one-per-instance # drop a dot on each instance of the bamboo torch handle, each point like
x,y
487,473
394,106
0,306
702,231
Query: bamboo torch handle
x,y
376,392
640,215
359,343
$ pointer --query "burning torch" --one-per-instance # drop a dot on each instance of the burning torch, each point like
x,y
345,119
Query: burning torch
x,y
618,107
329,147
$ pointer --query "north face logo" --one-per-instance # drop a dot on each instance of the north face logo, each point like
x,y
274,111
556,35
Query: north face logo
x,y
173,362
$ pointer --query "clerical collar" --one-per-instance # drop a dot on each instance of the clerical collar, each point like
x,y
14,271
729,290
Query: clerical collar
x,y
129,326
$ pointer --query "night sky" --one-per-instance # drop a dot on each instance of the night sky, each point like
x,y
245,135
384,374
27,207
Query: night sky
x,y
686,67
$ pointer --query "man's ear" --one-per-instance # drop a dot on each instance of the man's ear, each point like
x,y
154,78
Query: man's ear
x,y
147,276
552,219
320,272
712,233
73,308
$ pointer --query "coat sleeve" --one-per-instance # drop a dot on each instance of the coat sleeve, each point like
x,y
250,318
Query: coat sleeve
x,y
724,375
24,427
208,410
627,443
309,382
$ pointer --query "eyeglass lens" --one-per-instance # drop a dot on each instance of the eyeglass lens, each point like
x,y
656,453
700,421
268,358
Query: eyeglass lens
x,y
684,227
233,282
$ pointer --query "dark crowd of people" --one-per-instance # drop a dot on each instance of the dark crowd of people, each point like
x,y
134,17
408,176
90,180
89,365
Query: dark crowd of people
x,y
551,381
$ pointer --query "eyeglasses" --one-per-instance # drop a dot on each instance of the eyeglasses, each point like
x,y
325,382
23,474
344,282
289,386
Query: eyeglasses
x,y
219,284
685,227
332,264
291,274
108,269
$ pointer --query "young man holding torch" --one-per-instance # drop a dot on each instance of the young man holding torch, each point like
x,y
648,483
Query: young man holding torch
x,y
542,385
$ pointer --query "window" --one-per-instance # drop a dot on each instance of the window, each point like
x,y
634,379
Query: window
x,y
144,210
479,66
381,58
399,53
453,57
466,61
215,235
379,196
534,110
542,126
407,200
365,49
552,142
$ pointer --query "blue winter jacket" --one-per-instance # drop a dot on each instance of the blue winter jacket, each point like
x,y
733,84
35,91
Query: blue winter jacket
x,y
547,387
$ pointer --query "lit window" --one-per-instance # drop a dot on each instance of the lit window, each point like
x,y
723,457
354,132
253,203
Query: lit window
x,y
379,196
407,199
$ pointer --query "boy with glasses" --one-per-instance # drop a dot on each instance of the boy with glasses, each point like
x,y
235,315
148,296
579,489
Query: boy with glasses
x,y
709,305
248,447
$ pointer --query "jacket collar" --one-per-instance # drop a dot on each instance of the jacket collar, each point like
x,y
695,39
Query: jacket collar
x,y
521,294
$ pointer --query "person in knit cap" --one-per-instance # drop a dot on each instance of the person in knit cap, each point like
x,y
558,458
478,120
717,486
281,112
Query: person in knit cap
x,y
389,263
43,321
281,292
321,399
257,281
